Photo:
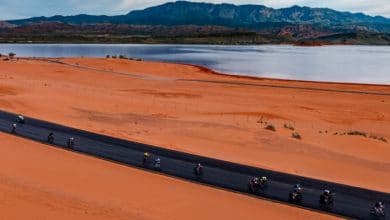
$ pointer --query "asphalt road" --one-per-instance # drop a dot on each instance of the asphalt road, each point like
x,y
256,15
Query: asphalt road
x,y
350,202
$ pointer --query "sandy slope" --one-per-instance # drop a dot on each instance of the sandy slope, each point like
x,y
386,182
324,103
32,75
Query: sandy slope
x,y
40,182
213,119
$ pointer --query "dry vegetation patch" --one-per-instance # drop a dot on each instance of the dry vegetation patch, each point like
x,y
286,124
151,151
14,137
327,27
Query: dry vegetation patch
x,y
270,127
289,126
296,135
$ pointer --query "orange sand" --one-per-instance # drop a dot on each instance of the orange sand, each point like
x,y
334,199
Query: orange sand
x,y
216,120
40,182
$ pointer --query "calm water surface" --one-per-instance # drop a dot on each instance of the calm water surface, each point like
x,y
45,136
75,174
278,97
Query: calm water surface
x,y
361,64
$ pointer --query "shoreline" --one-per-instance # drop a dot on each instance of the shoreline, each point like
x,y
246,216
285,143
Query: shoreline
x,y
214,72
296,43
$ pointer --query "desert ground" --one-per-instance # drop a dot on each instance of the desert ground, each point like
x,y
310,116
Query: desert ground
x,y
195,110
39,182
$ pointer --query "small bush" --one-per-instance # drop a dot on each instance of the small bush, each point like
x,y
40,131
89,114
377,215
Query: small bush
x,y
288,126
270,127
114,56
122,57
12,55
139,59
108,56
296,135
359,133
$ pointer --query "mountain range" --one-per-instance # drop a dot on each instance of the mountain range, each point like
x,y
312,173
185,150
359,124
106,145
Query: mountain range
x,y
187,13
183,18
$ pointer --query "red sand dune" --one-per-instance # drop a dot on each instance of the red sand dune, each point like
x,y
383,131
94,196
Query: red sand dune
x,y
213,119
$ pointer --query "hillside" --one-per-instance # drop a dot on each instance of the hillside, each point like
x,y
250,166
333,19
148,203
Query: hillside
x,y
352,39
244,16
188,22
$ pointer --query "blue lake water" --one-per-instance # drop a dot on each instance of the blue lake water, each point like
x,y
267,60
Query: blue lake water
x,y
360,64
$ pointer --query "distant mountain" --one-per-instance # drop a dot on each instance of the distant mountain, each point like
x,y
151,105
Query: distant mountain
x,y
188,22
244,16
4,24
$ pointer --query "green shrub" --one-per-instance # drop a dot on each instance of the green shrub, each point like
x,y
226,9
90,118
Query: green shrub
x,y
12,55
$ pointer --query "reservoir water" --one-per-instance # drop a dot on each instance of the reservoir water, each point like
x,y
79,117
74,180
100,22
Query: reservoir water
x,y
358,64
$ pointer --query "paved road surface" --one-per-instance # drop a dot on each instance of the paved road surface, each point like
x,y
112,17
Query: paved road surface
x,y
350,201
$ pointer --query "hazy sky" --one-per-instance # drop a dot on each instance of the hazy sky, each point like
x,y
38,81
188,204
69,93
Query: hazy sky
x,y
12,9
